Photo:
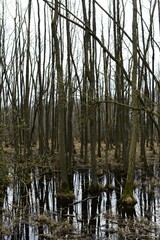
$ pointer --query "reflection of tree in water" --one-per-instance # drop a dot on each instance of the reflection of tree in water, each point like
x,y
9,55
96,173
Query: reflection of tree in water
x,y
118,190
93,218
85,185
108,207
41,189
63,208
148,204
65,203
3,188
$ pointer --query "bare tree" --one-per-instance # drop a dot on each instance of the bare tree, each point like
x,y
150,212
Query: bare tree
x,y
128,199
69,133
61,103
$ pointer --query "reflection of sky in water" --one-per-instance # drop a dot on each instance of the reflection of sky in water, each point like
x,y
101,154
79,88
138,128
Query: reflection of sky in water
x,y
102,213
147,195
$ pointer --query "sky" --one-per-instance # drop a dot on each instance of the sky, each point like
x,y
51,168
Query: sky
x,y
10,11
100,17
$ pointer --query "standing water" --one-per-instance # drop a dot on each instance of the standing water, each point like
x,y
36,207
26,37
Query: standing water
x,y
33,211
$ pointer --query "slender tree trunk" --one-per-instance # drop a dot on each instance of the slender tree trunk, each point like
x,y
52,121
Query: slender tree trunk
x,y
128,199
70,96
40,102
53,100
84,116
61,104
92,105
27,87
119,82
90,74
107,104
152,90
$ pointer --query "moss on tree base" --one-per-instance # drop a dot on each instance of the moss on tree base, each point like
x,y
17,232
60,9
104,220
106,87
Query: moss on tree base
x,y
93,190
65,193
127,204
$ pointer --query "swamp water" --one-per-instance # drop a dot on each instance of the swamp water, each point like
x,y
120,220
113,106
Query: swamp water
x,y
32,211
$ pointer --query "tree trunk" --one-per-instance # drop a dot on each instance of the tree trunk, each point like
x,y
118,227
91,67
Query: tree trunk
x,y
70,95
128,200
61,104
90,74
40,103
27,88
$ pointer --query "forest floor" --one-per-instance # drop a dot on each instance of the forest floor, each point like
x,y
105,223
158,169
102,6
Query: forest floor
x,y
78,162
151,153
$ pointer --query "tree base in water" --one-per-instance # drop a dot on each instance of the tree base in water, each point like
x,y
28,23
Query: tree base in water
x,y
93,190
127,205
65,194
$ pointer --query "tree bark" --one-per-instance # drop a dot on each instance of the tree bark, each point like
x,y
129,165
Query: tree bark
x,y
61,104
27,88
128,199
90,74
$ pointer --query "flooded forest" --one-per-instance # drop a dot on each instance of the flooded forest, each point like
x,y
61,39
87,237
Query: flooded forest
x,y
79,119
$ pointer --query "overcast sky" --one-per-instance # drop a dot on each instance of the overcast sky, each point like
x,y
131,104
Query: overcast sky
x,y
76,5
